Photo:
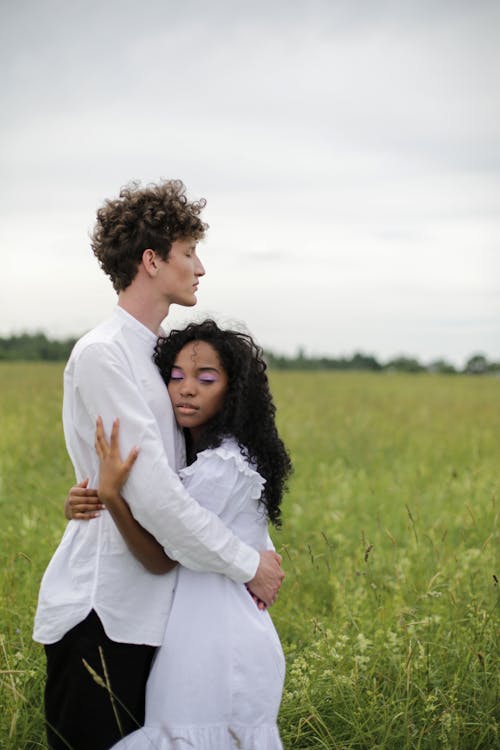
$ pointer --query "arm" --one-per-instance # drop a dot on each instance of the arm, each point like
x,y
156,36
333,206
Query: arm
x,y
140,542
113,474
83,503
104,384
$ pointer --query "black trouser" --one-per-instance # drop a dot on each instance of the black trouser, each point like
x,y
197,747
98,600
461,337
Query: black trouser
x,y
82,714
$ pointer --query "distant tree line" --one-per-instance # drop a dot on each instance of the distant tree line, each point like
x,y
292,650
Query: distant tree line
x,y
478,364
36,346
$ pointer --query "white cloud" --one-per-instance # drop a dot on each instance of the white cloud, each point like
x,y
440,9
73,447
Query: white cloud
x,y
349,155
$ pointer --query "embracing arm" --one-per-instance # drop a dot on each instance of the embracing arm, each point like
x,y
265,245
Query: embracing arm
x,y
83,504
140,542
188,532
113,473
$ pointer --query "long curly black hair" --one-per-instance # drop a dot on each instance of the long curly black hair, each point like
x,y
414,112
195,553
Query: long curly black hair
x,y
248,412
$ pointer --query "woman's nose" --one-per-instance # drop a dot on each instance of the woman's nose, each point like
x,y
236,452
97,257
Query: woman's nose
x,y
188,387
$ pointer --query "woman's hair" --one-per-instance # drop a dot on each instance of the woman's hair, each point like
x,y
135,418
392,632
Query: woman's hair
x,y
143,218
248,411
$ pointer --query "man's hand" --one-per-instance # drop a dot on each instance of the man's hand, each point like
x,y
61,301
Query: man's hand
x,y
268,579
82,504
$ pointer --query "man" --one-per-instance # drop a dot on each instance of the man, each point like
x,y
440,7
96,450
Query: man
x,y
100,613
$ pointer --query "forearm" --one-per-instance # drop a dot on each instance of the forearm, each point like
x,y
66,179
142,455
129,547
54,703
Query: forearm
x,y
199,542
189,533
140,542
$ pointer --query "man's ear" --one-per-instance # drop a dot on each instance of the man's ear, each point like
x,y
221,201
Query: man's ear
x,y
150,262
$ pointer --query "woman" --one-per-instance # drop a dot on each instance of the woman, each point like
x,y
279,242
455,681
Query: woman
x,y
217,679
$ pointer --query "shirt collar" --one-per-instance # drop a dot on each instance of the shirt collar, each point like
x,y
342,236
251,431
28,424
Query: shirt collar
x,y
136,326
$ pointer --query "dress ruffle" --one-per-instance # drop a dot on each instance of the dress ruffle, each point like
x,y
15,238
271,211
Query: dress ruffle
x,y
229,451
212,737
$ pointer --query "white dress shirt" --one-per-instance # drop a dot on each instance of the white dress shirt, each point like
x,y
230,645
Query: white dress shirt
x,y
111,373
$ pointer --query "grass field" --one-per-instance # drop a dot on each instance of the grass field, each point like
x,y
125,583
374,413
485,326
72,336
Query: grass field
x,y
389,615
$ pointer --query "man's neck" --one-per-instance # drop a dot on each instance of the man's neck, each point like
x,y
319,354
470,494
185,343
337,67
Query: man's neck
x,y
148,312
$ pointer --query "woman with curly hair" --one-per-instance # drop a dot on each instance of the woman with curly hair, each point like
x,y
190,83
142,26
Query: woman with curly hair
x,y
217,679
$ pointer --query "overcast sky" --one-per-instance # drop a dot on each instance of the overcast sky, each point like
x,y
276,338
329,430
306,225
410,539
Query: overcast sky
x,y
349,152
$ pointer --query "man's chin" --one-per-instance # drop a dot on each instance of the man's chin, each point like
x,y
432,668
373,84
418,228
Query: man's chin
x,y
187,302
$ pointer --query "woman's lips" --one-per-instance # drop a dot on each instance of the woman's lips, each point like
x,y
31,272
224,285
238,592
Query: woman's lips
x,y
186,408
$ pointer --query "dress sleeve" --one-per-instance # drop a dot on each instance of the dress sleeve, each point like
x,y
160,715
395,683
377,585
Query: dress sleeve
x,y
270,543
191,534
222,481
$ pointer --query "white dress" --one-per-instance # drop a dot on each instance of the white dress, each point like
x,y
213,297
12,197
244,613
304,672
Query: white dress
x,y
217,679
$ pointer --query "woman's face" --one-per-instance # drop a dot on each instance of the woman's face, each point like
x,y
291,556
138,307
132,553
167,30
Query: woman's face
x,y
197,387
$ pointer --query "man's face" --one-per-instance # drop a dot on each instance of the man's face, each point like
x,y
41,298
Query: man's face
x,y
179,274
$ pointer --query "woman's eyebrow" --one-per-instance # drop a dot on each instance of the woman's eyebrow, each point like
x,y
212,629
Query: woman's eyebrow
x,y
207,369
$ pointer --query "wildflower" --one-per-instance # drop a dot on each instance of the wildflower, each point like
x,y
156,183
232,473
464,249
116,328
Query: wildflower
x,y
363,643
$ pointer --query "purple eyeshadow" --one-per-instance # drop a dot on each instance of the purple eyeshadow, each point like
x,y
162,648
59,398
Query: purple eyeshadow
x,y
176,374
207,378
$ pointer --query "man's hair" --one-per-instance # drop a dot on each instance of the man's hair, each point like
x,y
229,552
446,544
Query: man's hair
x,y
152,217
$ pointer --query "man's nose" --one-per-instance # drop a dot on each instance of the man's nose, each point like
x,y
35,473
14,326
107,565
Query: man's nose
x,y
199,268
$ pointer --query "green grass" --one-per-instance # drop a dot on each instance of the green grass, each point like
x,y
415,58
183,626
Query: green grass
x,y
389,615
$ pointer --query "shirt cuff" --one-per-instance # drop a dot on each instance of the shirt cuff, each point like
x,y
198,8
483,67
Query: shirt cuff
x,y
245,564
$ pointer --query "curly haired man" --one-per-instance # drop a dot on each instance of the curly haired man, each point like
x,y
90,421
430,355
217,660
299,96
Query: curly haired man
x,y
100,613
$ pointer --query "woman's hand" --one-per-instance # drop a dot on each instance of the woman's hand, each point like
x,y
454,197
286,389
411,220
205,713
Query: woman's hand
x,y
113,472
82,504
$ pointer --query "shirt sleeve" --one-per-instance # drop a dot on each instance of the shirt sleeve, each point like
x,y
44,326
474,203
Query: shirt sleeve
x,y
191,534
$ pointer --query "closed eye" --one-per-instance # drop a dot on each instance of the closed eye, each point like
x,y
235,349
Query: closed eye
x,y
176,374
